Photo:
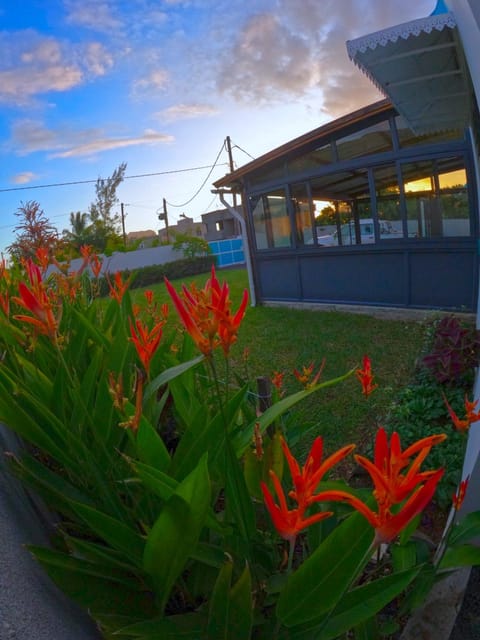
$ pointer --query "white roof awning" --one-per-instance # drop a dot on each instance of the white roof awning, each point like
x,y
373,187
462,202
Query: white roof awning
x,y
420,67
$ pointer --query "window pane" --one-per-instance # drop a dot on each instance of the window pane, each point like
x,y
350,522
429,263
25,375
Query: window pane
x,y
270,220
433,212
316,158
374,139
454,203
303,217
388,202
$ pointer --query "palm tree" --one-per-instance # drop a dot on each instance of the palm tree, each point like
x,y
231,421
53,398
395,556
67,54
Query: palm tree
x,y
79,229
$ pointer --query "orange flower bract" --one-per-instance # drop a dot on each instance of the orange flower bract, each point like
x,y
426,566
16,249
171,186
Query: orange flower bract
x,y
365,377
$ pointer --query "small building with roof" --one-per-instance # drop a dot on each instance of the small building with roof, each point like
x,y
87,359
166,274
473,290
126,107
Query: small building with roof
x,y
378,207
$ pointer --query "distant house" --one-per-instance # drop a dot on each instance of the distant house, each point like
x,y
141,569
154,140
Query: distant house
x,y
220,225
146,237
184,225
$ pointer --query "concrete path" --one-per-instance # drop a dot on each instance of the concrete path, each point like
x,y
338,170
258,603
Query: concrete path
x,y
31,607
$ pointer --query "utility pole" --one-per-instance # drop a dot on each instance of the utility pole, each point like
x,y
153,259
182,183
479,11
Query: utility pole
x,y
123,224
230,160
164,216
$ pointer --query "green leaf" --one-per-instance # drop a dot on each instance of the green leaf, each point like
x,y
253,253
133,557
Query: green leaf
x,y
404,556
187,626
177,531
468,528
150,446
367,630
355,608
95,588
170,374
230,613
239,505
323,579
116,533
243,440
461,556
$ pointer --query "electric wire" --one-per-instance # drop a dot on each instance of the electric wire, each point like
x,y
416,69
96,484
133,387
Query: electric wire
x,y
184,204
235,146
140,175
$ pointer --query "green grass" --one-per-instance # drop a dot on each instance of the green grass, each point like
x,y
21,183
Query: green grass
x,y
280,339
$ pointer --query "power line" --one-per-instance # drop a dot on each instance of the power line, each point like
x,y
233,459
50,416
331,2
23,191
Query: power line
x,y
235,146
140,175
184,204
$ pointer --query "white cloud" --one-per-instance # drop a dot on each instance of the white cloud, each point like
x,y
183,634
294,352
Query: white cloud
x,y
186,111
92,14
107,144
32,64
30,136
24,178
152,83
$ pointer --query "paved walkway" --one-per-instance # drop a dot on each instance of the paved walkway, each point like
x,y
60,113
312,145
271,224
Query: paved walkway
x,y
31,607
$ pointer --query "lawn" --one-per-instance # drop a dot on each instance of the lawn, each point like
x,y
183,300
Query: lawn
x,y
281,339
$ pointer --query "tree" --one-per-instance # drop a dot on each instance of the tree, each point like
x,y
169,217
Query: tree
x,y
191,246
33,231
79,234
104,223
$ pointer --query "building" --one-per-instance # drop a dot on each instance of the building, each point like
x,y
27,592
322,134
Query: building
x,y
220,225
405,168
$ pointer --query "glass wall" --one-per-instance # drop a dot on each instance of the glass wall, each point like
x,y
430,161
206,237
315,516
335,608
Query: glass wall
x,y
271,221
352,196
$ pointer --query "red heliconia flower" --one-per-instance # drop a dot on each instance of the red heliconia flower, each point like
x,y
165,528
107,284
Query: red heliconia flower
x,y
37,301
43,258
206,314
149,296
306,479
459,496
365,377
471,416
146,342
305,376
290,522
277,380
118,288
96,265
394,483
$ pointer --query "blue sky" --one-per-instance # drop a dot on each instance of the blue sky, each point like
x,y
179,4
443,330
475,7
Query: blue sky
x,y
160,84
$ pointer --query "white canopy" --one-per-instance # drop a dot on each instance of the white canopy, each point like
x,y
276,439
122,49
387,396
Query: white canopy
x,y
420,67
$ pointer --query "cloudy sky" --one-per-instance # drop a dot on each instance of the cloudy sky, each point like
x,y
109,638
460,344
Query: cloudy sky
x,y
160,84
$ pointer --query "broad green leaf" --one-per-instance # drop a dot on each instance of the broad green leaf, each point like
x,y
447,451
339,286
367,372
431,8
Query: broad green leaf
x,y
119,535
241,609
95,589
404,556
150,446
239,505
231,610
202,436
367,630
256,470
177,531
420,589
355,608
274,412
468,528
218,616
188,626
461,556
323,579
170,374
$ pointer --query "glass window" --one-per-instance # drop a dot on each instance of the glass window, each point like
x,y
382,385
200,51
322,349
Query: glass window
x,y
270,220
374,139
437,198
319,157
454,203
303,213
388,202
